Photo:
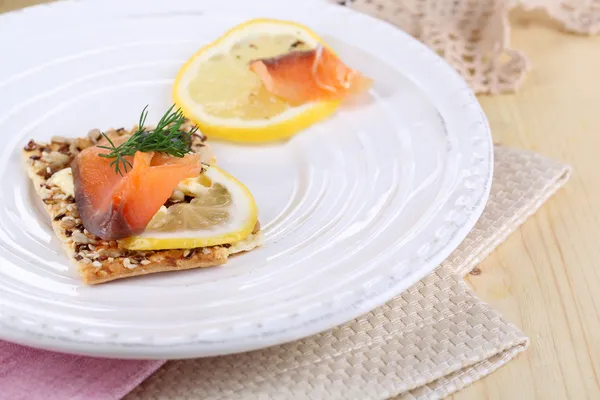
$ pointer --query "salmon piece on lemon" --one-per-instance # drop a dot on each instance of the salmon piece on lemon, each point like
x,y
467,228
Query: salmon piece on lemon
x,y
308,76
228,100
114,206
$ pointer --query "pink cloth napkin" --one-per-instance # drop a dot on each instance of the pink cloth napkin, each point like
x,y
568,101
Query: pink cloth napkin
x,y
32,374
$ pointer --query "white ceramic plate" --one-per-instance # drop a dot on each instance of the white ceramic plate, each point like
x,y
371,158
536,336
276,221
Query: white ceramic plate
x,y
355,209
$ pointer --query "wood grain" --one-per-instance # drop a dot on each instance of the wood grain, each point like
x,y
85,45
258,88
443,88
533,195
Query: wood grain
x,y
546,277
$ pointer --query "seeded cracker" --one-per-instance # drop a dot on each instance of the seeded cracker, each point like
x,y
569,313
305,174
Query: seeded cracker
x,y
99,260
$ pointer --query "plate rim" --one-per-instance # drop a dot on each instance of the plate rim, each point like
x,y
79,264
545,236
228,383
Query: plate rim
x,y
17,333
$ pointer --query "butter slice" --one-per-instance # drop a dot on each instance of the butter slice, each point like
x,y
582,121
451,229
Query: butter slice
x,y
64,180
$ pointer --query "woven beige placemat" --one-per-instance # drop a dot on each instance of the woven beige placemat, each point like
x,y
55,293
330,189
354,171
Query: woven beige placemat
x,y
427,343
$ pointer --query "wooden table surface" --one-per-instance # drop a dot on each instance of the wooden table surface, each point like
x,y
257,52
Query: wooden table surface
x,y
546,277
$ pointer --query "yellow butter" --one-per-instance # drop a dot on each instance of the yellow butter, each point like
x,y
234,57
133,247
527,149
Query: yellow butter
x,y
64,180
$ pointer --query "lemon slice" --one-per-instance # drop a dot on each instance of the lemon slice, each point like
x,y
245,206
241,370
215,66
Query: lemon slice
x,y
219,92
222,211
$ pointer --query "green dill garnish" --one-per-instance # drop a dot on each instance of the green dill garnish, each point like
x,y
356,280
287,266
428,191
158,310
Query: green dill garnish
x,y
167,138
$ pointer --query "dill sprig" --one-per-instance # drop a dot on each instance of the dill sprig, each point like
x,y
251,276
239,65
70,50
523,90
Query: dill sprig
x,y
167,138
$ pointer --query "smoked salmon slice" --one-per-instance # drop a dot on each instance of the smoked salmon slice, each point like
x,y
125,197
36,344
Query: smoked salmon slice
x,y
113,206
305,76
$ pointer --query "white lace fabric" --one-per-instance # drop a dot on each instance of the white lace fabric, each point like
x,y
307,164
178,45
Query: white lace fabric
x,y
473,35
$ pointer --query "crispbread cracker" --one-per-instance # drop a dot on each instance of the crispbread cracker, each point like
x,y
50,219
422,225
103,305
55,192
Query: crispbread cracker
x,y
99,260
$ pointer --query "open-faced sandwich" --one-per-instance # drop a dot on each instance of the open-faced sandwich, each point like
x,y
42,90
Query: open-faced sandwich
x,y
126,203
